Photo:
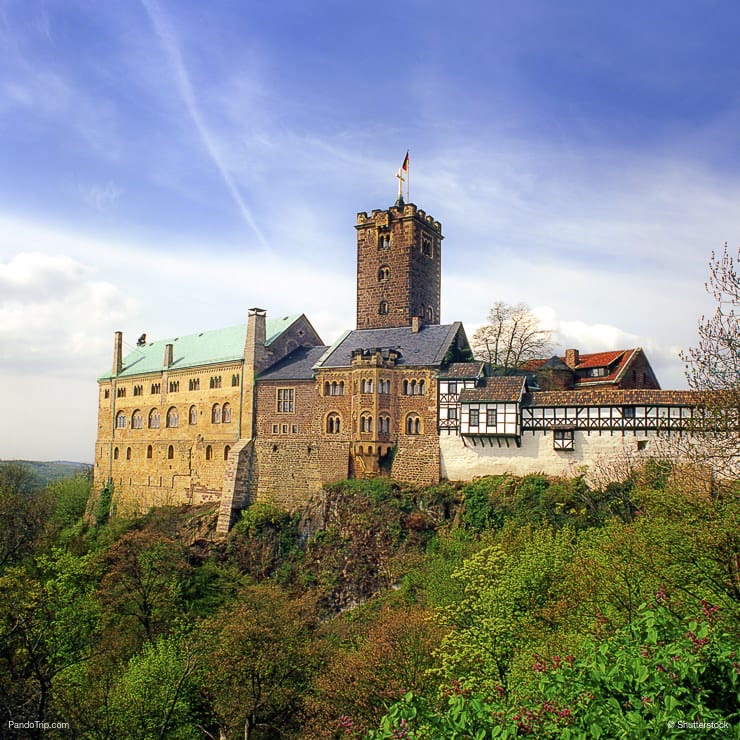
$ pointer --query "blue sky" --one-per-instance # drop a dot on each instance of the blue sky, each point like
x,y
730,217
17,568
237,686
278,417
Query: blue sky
x,y
166,165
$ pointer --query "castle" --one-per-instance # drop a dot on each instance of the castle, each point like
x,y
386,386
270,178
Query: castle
x,y
266,411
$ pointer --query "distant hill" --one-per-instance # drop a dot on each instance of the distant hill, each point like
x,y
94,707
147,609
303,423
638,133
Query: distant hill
x,y
53,470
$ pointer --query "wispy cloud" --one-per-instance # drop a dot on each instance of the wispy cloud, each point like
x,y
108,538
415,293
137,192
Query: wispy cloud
x,y
167,38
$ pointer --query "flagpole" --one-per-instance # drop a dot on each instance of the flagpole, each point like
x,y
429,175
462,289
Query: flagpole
x,y
408,176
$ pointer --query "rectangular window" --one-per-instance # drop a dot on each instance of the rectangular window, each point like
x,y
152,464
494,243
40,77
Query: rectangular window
x,y
491,417
285,428
474,413
452,412
285,403
628,412
294,429
563,439
452,387
275,428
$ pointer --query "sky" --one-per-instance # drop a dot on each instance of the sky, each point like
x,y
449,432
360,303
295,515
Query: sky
x,y
166,165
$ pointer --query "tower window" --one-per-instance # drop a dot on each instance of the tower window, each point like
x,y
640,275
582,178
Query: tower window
x,y
426,246
413,424
366,423
383,308
384,273
384,240
333,424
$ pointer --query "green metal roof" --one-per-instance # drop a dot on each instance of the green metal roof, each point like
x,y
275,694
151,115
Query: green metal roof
x,y
206,348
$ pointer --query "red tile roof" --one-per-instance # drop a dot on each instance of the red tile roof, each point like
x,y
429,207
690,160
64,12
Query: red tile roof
x,y
620,359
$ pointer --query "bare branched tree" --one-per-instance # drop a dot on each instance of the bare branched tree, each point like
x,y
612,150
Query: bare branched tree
x,y
512,336
713,371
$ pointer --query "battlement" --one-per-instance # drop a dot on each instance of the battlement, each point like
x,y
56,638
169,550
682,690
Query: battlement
x,y
379,217
376,357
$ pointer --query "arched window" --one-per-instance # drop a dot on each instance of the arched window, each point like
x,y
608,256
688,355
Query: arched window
x,y
422,388
227,450
413,424
327,388
384,241
414,388
234,381
341,388
430,313
216,414
115,453
366,385
193,415
172,418
226,414
383,308
170,452
384,273
154,419
128,453
120,420
149,452
405,387
333,424
137,421
384,424
209,452
366,423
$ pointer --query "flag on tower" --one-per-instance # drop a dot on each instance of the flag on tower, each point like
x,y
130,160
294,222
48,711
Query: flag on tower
x,y
405,165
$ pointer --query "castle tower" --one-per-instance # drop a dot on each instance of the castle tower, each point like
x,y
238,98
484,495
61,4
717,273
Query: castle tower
x,y
399,258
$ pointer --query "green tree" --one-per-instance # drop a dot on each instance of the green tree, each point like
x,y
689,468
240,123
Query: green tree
x,y
258,660
142,586
155,695
24,511
501,613
48,622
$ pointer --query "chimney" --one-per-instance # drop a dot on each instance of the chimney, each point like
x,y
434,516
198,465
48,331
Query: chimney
x,y
415,324
254,346
117,352
168,355
572,358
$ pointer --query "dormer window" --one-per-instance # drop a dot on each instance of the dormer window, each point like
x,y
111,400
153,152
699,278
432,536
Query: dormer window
x,y
598,372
